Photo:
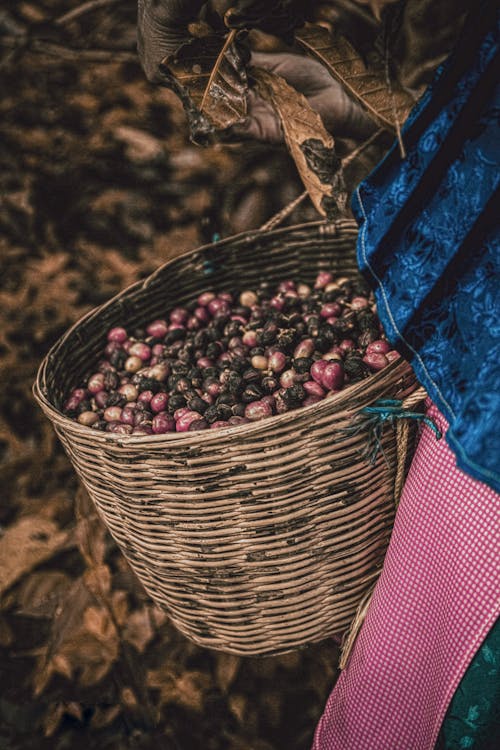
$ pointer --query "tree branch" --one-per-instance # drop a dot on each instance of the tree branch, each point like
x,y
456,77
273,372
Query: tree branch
x,y
67,53
82,9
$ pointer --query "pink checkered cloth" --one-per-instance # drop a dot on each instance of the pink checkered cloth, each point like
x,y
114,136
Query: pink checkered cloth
x,y
434,603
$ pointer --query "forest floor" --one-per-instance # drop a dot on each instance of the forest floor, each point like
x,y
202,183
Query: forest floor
x,y
100,185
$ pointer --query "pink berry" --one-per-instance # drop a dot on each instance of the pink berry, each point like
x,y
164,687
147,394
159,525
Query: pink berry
x,y
203,362
159,401
182,424
249,338
304,349
127,415
162,423
129,391
179,315
205,298
257,410
118,335
113,414
218,424
101,399
143,351
333,376
359,303
312,388
277,362
376,361
96,382
380,346
322,279
330,309
158,329
317,370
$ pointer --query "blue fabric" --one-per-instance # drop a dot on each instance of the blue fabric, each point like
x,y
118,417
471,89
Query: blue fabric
x,y
429,244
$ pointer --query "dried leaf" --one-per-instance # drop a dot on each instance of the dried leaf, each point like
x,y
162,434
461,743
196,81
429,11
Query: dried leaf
x,y
41,593
118,603
186,689
238,705
309,143
26,544
90,531
226,670
98,581
98,622
67,618
388,107
61,665
139,629
103,717
52,719
128,698
209,75
92,648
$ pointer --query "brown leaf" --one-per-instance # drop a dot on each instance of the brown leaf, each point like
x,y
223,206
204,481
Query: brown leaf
x,y
388,107
102,717
90,532
98,581
186,689
41,593
210,76
52,719
66,620
139,629
309,143
238,706
62,666
24,545
98,622
92,648
226,670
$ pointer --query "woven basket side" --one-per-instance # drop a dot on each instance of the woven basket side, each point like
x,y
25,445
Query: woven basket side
x,y
257,538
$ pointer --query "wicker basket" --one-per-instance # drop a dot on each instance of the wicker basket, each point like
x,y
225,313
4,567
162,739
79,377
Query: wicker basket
x,y
257,538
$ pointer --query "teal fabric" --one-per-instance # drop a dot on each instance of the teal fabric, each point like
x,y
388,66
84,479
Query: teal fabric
x,y
472,721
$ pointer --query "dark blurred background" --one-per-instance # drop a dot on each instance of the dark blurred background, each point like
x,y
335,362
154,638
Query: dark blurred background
x,y
99,186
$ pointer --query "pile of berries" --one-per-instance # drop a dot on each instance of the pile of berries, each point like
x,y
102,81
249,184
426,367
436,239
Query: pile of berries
x,y
230,359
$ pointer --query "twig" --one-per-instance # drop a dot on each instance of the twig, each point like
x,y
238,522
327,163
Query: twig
x,y
68,53
388,81
285,212
82,9
357,151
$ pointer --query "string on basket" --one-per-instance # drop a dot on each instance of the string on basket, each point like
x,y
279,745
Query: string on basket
x,y
389,411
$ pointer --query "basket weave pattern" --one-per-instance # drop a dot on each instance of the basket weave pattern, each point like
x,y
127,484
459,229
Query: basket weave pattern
x,y
257,538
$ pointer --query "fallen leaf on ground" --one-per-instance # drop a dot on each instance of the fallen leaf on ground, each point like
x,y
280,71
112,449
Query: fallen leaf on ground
x,y
26,544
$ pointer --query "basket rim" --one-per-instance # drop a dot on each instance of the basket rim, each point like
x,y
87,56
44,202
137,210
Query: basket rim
x,y
395,369
339,401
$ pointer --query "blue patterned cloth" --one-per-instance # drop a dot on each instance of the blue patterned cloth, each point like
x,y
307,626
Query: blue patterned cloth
x,y
429,244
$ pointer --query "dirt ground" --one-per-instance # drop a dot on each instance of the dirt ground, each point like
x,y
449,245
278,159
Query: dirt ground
x,y
100,185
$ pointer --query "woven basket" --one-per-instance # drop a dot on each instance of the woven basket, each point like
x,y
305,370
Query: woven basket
x,y
257,538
